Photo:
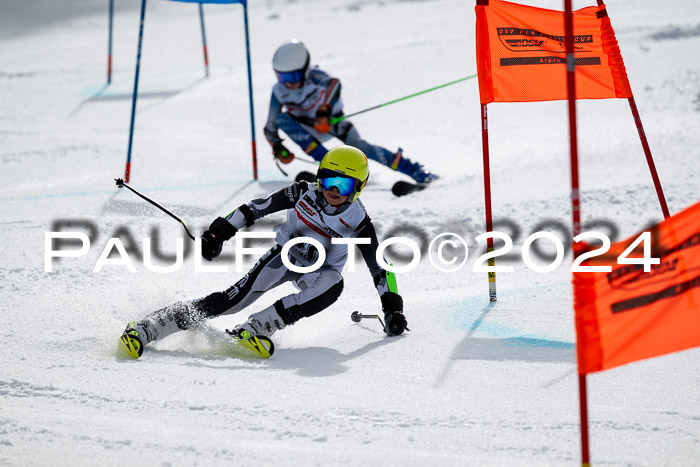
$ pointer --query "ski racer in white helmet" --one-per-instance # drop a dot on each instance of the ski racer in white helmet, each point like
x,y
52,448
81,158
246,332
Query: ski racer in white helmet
x,y
306,105
325,210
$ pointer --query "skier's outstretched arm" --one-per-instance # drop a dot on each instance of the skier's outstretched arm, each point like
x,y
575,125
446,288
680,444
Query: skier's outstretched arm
x,y
224,228
392,303
271,131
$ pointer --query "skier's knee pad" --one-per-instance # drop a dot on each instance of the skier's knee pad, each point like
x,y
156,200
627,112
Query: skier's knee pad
x,y
294,313
376,153
212,305
182,314
187,314
343,131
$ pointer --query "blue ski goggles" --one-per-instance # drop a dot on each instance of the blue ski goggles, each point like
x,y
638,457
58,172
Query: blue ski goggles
x,y
291,77
345,185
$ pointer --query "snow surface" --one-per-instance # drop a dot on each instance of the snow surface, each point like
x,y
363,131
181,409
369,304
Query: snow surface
x,y
471,384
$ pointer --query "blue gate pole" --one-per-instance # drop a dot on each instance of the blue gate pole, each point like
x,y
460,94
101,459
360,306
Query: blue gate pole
x,y
204,41
127,171
250,89
109,42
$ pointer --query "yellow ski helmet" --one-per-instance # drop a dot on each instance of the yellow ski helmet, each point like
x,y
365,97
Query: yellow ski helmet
x,y
345,168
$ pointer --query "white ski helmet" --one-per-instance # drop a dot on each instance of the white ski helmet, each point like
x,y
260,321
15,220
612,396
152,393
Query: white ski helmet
x,y
291,62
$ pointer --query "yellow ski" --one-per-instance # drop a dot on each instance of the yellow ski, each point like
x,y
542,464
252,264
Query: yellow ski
x,y
261,345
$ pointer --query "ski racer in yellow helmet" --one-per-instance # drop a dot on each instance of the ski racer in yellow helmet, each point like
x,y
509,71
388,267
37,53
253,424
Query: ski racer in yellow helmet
x,y
344,168
319,214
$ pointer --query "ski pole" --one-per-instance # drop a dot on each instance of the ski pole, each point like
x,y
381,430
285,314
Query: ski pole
x,y
121,184
277,163
343,117
356,316
296,158
308,161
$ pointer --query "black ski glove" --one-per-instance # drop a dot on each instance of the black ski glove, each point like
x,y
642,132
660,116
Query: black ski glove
x,y
213,239
282,153
394,320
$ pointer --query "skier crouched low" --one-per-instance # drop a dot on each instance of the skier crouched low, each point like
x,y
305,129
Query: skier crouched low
x,y
304,102
324,210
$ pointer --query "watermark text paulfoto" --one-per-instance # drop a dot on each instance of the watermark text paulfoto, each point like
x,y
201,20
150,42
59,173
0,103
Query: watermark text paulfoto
x,y
447,251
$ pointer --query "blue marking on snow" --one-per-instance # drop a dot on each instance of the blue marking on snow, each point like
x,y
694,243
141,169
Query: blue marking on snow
x,y
533,342
473,313
93,91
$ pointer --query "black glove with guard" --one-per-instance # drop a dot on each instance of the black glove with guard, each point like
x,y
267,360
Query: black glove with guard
x,y
283,154
394,320
213,239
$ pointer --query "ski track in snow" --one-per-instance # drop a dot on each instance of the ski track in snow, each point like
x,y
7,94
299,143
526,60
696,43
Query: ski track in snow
x,y
471,384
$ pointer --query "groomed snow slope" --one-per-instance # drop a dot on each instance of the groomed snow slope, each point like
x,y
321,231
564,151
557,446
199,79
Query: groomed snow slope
x,y
471,384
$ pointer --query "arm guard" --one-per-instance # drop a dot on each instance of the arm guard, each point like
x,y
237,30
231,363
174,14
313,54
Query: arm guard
x,y
332,86
369,254
332,92
280,200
